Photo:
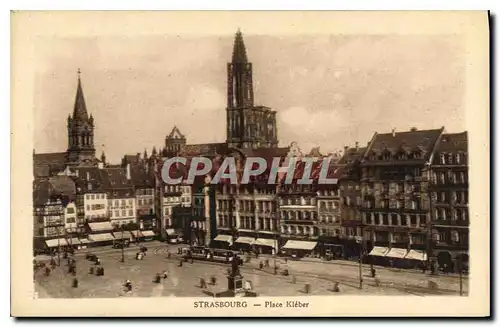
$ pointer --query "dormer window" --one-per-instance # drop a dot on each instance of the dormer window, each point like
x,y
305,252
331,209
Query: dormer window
x,y
442,159
457,158
417,155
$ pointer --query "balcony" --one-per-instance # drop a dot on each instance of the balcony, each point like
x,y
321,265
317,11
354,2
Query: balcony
x,y
450,222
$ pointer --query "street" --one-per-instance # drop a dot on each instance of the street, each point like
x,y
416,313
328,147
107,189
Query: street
x,y
184,281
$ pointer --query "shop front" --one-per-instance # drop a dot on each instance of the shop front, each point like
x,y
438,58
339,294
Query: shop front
x,y
222,241
244,243
101,239
265,246
298,249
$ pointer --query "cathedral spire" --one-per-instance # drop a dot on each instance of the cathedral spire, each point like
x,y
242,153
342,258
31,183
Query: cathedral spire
x,y
239,51
80,109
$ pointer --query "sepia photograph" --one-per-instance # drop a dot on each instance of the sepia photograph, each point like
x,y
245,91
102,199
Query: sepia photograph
x,y
298,166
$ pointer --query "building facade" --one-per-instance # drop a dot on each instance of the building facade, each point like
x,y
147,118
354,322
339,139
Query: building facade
x,y
449,188
396,209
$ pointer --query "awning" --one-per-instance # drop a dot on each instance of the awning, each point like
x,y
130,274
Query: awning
x,y
148,233
119,236
416,255
102,226
74,241
224,238
135,233
245,240
101,237
300,245
397,253
170,231
56,242
265,242
379,251
84,241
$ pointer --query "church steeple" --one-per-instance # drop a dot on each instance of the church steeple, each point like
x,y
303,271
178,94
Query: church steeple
x,y
80,109
80,131
239,51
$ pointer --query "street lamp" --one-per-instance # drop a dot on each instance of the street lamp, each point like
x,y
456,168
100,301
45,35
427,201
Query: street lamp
x,y
359,240
123,247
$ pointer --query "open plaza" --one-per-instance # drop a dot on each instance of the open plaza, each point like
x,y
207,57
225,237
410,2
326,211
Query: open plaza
x,y
184,280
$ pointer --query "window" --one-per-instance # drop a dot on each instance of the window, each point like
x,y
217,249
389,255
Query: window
x,y
385,219
413,220
92,196
123,202
394,220
116,203
130,212
111,214
123,213
117,213
442,179
377,220
70,210
457,158
442,159
130,202
88,207
403,220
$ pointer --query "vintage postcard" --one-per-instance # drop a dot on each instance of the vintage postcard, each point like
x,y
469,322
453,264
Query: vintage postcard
x,y
250,164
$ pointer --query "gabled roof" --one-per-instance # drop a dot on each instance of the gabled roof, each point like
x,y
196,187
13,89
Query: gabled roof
x,y
47,164
352,155
452,143
315,152
64,185
88,179
140,178
115,178
423,141
176,134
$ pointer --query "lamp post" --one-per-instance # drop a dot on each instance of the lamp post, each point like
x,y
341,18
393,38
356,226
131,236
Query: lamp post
x,y
123,247
359,240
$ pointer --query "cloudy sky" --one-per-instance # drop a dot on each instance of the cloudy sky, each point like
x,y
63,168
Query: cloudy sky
x,y
328,90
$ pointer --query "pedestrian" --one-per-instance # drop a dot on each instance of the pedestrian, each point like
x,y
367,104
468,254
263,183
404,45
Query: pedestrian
x,y
52,262
91,270
75,282
128,285
165,275
307,288
102,271
373,272
180,263
47,271
213,279
294,280
267,263
203,284
261,265
157,278
336,287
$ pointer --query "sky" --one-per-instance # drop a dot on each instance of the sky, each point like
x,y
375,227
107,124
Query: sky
x,y
328,90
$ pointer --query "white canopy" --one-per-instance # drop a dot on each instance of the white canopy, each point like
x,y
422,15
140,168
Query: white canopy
x,y
397,253
300,245
266,242
56,242
379,251
102,226
245,240
147,233
101,237
416,255
224,238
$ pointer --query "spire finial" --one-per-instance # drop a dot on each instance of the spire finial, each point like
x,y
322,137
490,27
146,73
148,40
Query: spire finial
x,y
79,72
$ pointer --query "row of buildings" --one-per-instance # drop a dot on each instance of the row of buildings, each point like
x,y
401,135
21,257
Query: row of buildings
x,y
403,194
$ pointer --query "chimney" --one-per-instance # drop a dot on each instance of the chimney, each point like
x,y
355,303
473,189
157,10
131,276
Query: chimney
x,y
357,146
393,132
128,171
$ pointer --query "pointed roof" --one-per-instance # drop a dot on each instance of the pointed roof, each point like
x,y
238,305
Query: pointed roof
x,y
176,133
239,51
80,109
